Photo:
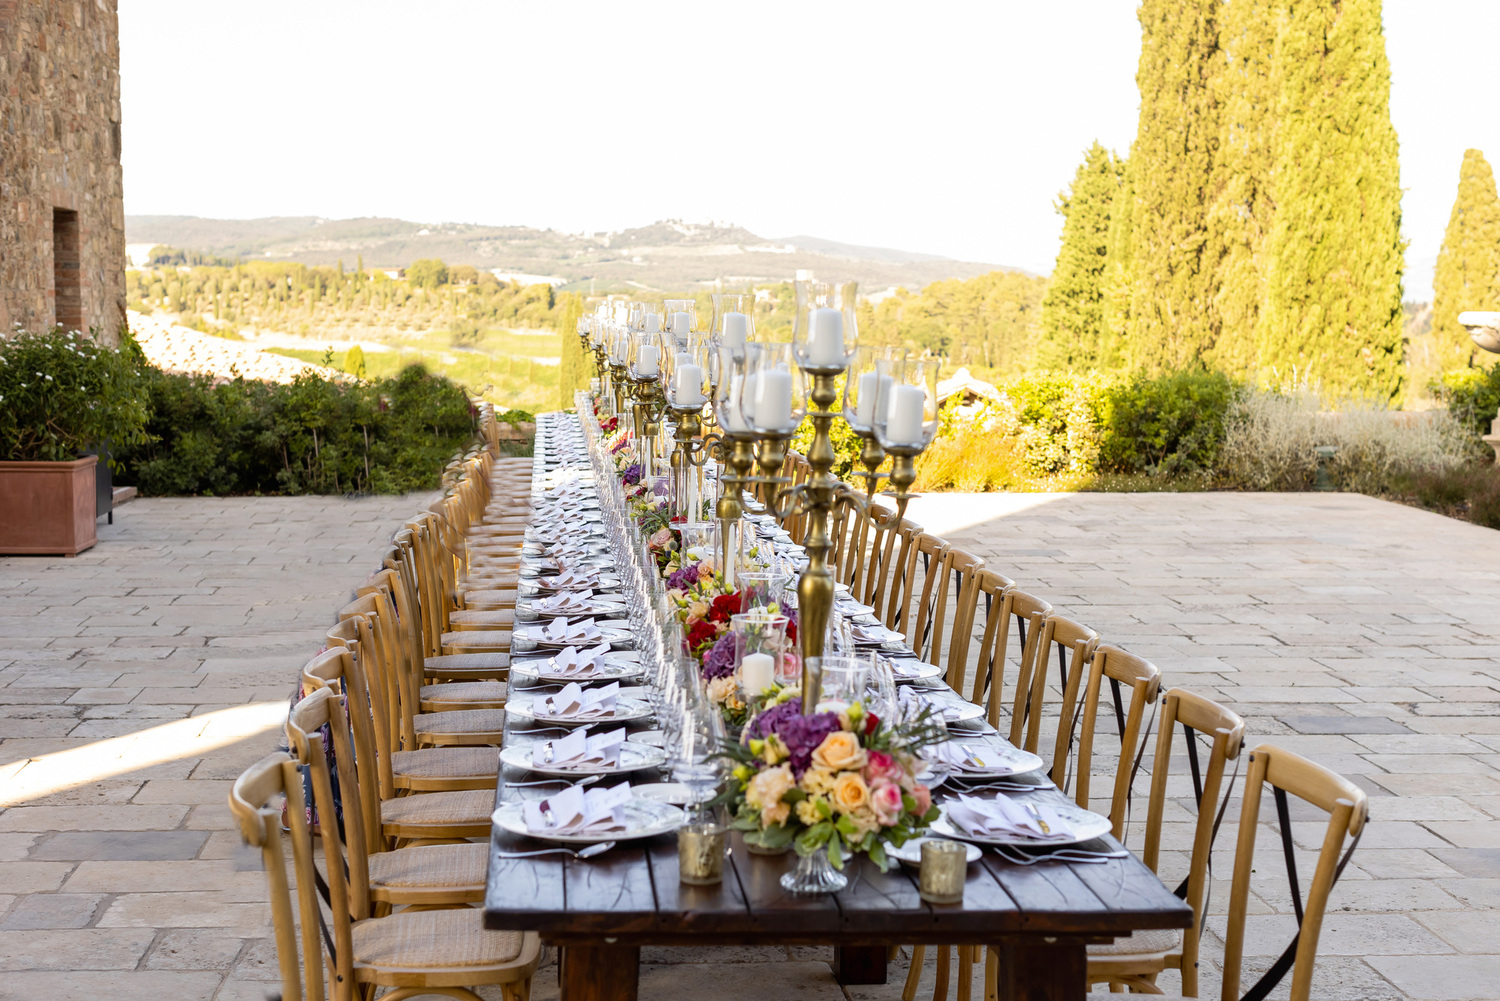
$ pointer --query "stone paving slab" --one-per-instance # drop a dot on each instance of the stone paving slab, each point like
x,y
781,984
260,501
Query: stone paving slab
x,y
1357,632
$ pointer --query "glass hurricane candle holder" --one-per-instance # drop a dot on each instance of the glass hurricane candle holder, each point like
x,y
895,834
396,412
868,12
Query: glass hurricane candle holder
x,y
773,398
734,319
908,421
844,679
825,331
869,381
760,648
681,319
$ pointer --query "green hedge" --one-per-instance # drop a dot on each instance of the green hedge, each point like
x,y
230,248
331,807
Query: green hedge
x,y
311,436
1168,425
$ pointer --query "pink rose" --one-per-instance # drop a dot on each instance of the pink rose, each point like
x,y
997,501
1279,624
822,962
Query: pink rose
x,y
885,800
923,796
880,765
661,538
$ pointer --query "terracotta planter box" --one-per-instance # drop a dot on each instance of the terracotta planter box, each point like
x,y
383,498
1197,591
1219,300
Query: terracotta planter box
x,y
48,507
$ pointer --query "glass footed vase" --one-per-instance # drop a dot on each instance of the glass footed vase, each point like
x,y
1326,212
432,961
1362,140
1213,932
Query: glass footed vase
x,y
814,874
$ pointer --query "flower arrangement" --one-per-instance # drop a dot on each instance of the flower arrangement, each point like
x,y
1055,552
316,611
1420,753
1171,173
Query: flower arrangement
x,y
836,781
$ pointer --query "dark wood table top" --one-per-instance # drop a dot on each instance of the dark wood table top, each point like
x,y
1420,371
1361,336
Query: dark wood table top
x,y
632,895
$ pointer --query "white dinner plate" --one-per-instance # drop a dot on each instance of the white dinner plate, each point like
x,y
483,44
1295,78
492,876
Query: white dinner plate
x,y
654,738
911,852
546,585
1000,761
1087,825
607,634
909,670
644,818
625,710
664,792
611,668
633,758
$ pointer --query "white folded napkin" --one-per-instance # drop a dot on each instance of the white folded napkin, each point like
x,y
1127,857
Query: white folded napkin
x,y
907,667
994,759
561,631
574,702
580,748
570,580
1001,815
572,662
564,602
578,811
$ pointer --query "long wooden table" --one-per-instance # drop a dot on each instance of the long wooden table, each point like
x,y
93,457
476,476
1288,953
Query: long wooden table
x,y
600,911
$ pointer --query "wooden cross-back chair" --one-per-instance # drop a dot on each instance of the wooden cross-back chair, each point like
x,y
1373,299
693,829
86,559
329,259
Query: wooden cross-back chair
x,y
412,769
1119,670
1347,808
1135,960
924,568
951,613
390,816
344,953
891,581
445,875
1005,603
1074,644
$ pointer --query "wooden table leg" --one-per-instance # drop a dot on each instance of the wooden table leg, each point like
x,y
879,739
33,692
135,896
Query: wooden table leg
x,y
859,964
598,972
1042,968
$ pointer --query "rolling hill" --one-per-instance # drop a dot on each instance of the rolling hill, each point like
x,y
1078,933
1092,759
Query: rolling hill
x,y
667,255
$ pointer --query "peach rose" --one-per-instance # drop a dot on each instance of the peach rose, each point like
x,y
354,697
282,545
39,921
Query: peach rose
x,y
923,796
765,791
697,610
850,793
840,751
885,800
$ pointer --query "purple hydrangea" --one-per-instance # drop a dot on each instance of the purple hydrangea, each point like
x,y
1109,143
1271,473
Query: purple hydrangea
x,y
718,662
681,580
632,474
801,734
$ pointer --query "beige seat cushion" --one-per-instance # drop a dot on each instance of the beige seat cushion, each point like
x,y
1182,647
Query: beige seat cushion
x,y
440,809
482,601
476,641
446,763
455,694
1150,942
462,865
489,619
460,665
461,721
430,940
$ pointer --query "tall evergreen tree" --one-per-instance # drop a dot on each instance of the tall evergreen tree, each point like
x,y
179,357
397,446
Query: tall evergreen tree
x,y
1468,266
1334,249
1119,273
1242,209
1073,309
576,368
1173,320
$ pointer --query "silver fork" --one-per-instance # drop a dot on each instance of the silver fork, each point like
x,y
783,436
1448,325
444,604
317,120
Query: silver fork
x,y
582,853
1017,857
547,782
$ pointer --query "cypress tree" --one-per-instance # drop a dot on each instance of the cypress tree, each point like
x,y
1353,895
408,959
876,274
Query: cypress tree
x,y
1073,309
576,367
1334,249
1242,210
1119,272
1173,321
1468,266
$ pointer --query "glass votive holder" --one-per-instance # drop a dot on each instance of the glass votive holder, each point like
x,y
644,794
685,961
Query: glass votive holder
x,y
945,869
700,853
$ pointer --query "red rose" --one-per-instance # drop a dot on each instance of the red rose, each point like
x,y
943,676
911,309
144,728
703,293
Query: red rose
x,y
701,632
871,722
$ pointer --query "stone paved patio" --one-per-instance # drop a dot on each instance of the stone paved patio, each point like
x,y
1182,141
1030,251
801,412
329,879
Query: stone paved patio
x,y
137,679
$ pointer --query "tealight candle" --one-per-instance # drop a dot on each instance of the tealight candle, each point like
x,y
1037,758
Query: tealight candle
x,y
903,424
736,330
872,386
757,671
825,337
773,399
700,854
945,869
645,360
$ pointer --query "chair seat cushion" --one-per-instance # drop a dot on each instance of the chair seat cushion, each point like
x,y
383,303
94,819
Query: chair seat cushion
x,y
461,721
462,865
476,641
446,763
489,618
440,809
1147,943
455,694
428,940
485,601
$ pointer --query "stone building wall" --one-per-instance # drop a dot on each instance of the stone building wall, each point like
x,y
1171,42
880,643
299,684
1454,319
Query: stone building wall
x,y
62,211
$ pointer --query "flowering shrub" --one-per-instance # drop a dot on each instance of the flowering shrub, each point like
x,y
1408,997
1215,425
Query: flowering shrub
x,y
830,781
62,393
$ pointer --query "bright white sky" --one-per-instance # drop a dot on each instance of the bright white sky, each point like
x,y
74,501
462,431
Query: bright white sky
x,y
945,127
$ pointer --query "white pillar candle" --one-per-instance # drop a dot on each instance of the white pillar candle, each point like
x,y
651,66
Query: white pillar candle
x,y
773,399
689,385
645,360
682,324
736,330
872,386
653,323
904,424
825,337
747,401
757,671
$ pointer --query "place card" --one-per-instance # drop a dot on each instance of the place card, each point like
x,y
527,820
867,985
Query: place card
x,y
579,811
575,702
